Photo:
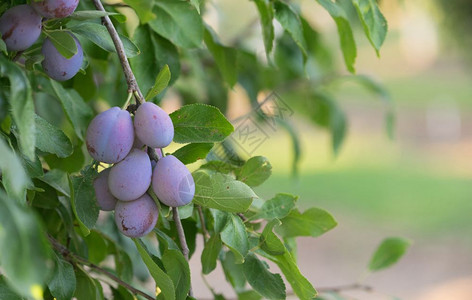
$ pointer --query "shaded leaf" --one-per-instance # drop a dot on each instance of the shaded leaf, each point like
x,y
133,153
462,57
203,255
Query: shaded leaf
x,y
63,42
63,282
210,254
21,103
84,203
98,34
51,139
266,13
269,285
24,250
234,236
269,242
14,178
179,22
78,113
225,57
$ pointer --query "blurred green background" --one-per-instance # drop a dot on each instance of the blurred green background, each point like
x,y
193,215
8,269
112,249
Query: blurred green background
x,y
417,185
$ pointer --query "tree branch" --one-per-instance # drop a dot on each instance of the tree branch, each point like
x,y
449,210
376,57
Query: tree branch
x,y
73,258
183,242
206,235
130,79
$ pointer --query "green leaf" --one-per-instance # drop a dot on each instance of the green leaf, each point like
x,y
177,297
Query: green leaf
x,y
225,57
249,295
63,42
220,191
266,13
374,23
24,249
178,270
277,207
84,203
234,236
163,281
388,253
220,219
58,180
77,111
87,288
200,123
179,22
219,166
348,44
98,34
300,285
51,139
14,177
143,9
156,53
269,285
233,271
97,247
192,152
63,282
3,46
162,81
255,171
90,14
290,21
21,103
6,293
210,254
313,222
269,242
33,168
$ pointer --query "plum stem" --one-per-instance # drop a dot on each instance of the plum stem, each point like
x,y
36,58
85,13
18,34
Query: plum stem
x,y
183,242
75,259
130,78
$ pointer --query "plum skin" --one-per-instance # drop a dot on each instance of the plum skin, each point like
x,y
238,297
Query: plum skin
x,y
172,182
130,178
57,66
110,135
55,8
153,125
106,201
20,27
136,218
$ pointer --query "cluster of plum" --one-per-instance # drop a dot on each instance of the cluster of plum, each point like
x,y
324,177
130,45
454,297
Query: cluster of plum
x,y
113,137
21,25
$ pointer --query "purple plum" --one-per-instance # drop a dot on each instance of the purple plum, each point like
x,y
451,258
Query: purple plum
x,y
130,178
136,218
172,182
20,27
55,8
57,66
153,125
110,135
106,201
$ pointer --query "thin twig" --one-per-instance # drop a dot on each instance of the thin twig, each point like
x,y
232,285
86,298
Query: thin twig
x,y
73,258
340,288
242,217
206,235
183,242
130,79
